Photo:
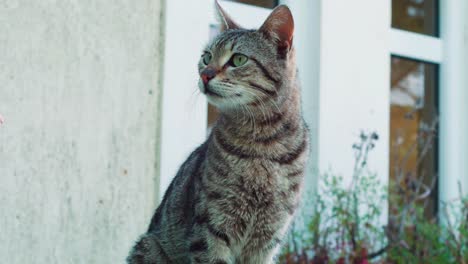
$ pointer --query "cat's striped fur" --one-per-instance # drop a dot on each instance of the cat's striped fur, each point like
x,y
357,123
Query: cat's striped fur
x,y
234,197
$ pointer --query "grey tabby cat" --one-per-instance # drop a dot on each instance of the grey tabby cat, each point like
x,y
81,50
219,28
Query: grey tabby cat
x,y
233,199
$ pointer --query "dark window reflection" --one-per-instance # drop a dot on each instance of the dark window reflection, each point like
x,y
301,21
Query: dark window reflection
x,y
261,3
418,16
413,129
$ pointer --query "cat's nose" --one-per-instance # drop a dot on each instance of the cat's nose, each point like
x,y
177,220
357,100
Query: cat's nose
x,y
208,74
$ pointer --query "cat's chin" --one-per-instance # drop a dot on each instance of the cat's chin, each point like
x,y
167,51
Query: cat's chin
x,y
220,103
224,101
223,104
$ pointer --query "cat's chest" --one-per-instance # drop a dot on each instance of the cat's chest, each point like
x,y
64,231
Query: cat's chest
x,y
263,201
261,174
262,181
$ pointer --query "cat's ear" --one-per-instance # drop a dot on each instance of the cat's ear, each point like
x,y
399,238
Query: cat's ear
x,y
225,20
279,26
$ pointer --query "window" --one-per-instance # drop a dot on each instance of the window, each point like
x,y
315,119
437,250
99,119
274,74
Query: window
x,y
260,3
413,120
417,16
416,54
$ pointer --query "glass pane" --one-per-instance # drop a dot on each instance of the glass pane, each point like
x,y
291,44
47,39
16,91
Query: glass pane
x,y
420,16
261,3
413,128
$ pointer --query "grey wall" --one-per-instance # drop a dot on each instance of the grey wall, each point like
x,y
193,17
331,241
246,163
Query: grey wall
x,y
79,89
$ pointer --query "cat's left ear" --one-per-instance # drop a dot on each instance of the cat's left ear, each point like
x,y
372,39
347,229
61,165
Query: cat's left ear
x,y
225,20
280,27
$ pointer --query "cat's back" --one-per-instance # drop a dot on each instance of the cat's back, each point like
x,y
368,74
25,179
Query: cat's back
x,y
170,225
177,204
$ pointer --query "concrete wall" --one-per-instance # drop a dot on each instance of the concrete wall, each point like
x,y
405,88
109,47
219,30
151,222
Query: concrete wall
x,y
79,91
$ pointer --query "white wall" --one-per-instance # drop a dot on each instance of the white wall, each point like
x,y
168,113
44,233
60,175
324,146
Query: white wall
x,y
307,20
453,100
184,112
465,88
79,89
354,82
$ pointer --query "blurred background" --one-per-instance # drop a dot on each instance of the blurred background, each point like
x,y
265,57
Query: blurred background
x,y
100,107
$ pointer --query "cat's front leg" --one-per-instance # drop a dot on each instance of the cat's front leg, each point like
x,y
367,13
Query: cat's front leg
x,y
265,243
208,245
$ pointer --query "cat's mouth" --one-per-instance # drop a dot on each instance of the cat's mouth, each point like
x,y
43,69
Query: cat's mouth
x,y
209,91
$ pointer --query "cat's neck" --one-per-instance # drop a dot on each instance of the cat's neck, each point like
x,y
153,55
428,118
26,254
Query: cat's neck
x,y
252,120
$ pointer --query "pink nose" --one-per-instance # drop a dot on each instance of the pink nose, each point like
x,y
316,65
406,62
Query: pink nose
x,y
208,74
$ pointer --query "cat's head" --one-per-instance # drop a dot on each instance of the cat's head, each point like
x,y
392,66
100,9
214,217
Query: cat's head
x,y
244,67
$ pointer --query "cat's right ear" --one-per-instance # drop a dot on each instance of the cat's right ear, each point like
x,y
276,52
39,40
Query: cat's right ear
x,y
279,26
225,20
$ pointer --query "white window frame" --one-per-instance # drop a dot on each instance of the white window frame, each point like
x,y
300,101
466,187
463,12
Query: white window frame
x,y
419,47
449,52
416,46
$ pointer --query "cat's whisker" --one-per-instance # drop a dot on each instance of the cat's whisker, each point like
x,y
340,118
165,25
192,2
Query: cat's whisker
x,y
262,106
252,118
193,99
236,109
275,104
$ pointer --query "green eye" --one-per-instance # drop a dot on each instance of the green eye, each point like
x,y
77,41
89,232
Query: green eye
x,y
239,60
206,58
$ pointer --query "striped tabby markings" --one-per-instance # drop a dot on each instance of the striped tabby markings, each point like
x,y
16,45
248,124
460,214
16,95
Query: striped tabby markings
x,y
211,176
156,220
139,259
218,234
294,155
264,236
234,41
290,207
198,245
265,71
226,147
144,246
295,174
222,42
294,187
188,194
161,250
287,158
216,167
204,219
213,195
272,120
264,90
285,130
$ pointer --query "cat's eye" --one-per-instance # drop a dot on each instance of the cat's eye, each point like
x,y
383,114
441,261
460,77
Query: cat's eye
x,y
206,57
239,60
